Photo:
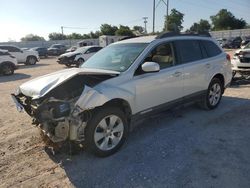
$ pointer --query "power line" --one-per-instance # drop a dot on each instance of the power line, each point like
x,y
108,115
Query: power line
x,y
66,27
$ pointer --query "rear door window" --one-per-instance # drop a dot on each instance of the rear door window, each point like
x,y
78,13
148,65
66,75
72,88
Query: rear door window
x,y
211,48
188,50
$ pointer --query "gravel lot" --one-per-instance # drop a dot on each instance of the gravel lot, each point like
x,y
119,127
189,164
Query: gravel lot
x,y
188,147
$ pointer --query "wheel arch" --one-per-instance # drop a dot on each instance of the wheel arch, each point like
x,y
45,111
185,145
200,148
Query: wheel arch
x,y
31,56
6,63
221,78
121,104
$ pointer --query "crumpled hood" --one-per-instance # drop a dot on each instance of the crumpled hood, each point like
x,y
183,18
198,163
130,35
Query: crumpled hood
x,y
40,86
69,54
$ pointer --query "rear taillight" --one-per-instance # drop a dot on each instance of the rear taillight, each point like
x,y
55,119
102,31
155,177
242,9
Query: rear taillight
x,y
228,58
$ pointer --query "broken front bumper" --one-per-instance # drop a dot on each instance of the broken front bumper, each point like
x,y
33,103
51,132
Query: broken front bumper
x,y
19,107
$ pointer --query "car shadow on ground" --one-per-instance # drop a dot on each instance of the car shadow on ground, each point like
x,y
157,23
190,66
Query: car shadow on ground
x,y
14,77
183,147
20,66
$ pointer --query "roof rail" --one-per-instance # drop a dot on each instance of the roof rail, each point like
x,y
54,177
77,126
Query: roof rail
x,y
173,34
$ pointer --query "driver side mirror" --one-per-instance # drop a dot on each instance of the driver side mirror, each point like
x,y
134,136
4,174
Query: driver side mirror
x,y
150,67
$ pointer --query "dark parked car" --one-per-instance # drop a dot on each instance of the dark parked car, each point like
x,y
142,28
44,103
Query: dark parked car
x,y
233,43
42,52
57,49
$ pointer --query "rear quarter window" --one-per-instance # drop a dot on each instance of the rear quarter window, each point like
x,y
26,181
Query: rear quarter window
x,y
188,50
211,48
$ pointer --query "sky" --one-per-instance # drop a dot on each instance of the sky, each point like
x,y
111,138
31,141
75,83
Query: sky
x,y
21,17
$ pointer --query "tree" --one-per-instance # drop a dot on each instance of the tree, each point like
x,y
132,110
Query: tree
x,y
124,31
31,37
95,35
107,29
57,36
140,29
201,26
225,20
174,21
73,36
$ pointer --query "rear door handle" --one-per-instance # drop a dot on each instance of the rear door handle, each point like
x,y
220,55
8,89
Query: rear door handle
x,y
208,65
177,74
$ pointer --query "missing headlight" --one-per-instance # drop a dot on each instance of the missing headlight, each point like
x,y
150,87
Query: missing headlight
x,y
60,109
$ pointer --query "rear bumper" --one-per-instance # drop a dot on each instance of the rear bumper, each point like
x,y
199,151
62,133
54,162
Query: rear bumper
x,y
238,66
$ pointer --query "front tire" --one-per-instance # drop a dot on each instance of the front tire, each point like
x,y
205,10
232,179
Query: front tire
x,y
7,69
80,62
106,131
213,95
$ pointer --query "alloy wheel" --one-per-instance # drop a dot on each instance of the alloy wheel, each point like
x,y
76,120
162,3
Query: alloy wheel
x,y
108,132
214,94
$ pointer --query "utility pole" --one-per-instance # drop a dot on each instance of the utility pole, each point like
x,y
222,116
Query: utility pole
x,y
62,29
145,22
167,14
154,16
154,7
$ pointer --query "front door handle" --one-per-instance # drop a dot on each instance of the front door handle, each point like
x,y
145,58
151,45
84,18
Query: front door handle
x,y
177,74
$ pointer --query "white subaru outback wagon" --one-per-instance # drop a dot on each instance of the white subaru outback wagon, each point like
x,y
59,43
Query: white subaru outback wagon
x,y
97,103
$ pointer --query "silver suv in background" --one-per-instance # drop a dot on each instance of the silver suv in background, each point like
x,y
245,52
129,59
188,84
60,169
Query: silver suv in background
x,y
97,103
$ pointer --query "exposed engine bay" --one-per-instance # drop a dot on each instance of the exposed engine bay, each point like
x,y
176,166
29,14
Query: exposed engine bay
x,y
57,112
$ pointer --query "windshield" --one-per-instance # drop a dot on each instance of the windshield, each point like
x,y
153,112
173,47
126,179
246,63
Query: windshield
x,y
117,57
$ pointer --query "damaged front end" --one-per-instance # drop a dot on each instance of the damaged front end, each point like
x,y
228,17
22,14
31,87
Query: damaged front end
x,y
57,112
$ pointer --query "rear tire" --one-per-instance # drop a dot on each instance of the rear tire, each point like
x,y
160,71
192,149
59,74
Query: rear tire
x,y
213,95
106,132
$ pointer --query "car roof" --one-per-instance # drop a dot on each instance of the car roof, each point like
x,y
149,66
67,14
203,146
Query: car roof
x,y
149,39
144,39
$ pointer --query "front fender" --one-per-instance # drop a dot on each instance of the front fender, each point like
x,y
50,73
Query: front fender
x,y
92,98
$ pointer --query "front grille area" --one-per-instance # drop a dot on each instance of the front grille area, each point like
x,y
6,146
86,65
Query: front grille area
x,y
245,60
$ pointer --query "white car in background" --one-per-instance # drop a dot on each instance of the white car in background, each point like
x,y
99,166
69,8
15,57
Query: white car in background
x,y
28,57
241,61
8,63
79,56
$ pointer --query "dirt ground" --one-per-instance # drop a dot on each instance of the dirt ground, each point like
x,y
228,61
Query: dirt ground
x,y
183,148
